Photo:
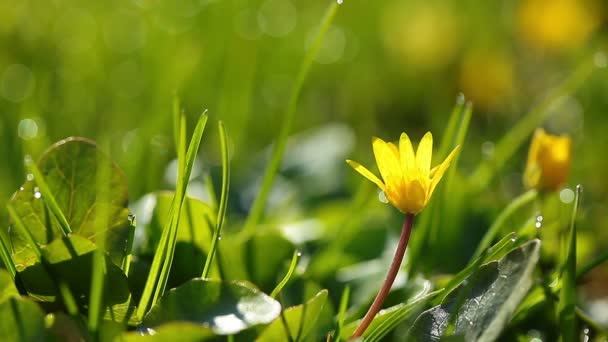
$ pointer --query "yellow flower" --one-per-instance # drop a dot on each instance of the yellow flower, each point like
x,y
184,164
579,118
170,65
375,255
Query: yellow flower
x,y
409,181
549,161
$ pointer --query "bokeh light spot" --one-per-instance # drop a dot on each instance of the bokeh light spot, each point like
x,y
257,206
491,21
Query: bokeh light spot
x,y
27,129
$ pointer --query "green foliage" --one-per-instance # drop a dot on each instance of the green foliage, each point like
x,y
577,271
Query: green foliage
x,y
264,234
225,307
295,322
484,302
69,169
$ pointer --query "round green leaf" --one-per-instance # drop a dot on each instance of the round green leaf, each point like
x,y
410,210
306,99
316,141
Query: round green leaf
x,y
225,307
69,167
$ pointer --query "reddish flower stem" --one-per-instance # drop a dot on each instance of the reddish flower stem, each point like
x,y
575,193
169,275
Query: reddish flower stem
x,y
390,277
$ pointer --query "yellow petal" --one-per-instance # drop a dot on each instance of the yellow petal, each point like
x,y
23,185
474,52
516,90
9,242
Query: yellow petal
x,y
395,150
365,173
434,170
406,150
424,154
441,170
389,167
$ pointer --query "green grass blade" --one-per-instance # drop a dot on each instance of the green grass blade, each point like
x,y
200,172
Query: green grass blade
x,y
459,137
126,265
48,197
182,185
99,261
5,254
449,135
281,143
157,278
512,208
177,117
342,312
567,296
221,213
428,225
283,282
517,136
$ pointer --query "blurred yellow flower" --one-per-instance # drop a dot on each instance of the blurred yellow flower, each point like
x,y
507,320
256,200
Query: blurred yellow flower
x,y
557,24
420,35
549,161
409,181
487,77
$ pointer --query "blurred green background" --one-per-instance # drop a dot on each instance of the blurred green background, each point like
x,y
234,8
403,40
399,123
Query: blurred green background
x,y
111,68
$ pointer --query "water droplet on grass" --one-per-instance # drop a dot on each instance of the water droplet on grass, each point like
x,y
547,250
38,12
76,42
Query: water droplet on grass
x,y
37,195
340,2
298,253
219,237
539,221
30,177
382,197
460,99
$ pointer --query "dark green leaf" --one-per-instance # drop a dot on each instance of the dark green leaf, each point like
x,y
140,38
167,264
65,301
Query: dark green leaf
x,y
69,168
70,259
21,320
225,307
299,320
490,297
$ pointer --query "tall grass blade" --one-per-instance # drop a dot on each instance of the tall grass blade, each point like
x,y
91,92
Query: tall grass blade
x,y
157,278
512,208
221,213
99,261
259,203
48,197
342,312
567,296
283,282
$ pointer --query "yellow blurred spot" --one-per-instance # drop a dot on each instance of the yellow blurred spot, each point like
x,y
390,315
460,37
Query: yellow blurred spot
x,y
487,78
557,24
425,36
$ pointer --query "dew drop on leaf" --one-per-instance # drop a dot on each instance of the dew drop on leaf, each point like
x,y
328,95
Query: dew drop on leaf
x,y
382,197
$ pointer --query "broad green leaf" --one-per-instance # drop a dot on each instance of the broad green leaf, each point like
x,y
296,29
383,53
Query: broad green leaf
x,y
388,319
298,320
194,235
70,259
69,168
184,331
225,307
21,320
7,286
490,296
